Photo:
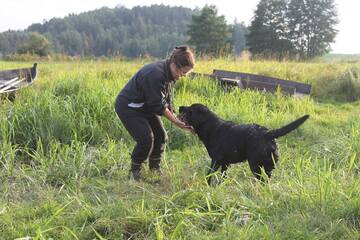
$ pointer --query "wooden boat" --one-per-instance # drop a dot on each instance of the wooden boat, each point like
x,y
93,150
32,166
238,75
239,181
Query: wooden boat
x,y
14,79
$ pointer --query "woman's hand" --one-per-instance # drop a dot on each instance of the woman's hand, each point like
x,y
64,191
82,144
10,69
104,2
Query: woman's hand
x,y
183,125
169,115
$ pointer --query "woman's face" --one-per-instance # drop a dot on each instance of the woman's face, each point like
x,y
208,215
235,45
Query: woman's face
x,y
177,72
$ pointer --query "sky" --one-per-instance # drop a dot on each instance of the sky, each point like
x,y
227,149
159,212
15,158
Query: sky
x,y
19,14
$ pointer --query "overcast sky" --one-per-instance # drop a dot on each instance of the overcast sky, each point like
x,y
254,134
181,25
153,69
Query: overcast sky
x,y
19,14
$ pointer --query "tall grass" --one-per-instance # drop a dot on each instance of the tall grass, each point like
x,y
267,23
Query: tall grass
x,y
64,158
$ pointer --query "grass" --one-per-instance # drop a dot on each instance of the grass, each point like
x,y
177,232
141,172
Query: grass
x,y
64,158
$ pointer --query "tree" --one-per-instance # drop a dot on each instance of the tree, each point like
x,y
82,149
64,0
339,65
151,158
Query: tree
x,y
72,42
268,30
11,40
293,28
209,32
155,29
311,26
36,44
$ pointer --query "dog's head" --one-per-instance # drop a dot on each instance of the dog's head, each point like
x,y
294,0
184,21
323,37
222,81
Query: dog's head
x,y
194,115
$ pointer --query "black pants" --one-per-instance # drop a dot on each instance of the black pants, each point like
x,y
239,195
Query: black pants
x,y
147,130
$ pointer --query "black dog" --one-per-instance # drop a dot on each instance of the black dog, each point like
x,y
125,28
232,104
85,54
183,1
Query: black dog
x,y
227,142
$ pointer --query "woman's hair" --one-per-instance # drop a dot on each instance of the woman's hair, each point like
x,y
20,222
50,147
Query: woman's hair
x,y
182,56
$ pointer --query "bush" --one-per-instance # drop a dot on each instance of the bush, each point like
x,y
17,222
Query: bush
x,y
344,87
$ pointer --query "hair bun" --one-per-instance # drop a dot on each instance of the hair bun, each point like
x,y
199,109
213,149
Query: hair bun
x,y
182,56
182,47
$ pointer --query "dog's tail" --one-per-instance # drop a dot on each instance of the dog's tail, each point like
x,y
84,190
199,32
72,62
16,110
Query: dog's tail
x,y
286,129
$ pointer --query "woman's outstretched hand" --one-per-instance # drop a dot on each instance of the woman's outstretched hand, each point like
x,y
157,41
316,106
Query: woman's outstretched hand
x,y
169,115
183,125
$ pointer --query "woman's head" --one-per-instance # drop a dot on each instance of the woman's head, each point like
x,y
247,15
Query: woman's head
x,y
181,61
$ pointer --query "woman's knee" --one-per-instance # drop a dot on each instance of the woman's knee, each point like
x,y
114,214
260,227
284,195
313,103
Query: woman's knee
x,y
162,137
146,141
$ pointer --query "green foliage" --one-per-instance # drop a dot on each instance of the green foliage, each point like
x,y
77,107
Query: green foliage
x,y
345,86
11,40
312,26
37,44
209,32
151,30
293,28
267,35
135,32
64,157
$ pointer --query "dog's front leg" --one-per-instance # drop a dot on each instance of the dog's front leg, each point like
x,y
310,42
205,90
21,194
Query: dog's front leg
x,y
256,170
213,168
224,168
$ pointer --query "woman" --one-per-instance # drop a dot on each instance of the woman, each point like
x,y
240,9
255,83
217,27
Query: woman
x,y
145,98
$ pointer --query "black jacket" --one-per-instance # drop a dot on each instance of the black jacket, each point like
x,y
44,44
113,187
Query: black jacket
x,y
149,89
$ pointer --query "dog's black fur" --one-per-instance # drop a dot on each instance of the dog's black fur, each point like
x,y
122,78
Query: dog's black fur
x,y
227,142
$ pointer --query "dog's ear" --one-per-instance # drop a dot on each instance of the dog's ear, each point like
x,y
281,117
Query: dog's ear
x,y
202,110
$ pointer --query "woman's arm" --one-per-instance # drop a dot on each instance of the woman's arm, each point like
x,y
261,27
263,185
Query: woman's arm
x,y
169,115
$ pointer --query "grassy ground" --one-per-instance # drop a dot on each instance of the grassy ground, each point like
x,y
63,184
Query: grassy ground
x,y
64,158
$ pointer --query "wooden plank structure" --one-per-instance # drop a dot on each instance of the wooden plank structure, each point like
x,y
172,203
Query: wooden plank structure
x,y
264,83
12,80
228,79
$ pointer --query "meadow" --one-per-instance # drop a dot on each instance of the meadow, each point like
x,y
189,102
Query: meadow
x,y
64,158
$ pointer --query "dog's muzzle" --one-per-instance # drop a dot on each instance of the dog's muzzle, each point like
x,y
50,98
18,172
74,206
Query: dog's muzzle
x,y
182,118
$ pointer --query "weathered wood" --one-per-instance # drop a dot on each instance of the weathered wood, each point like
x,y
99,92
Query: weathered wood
x,y
228,83
246,84
268,87
260,86
286,85
231,82
11,80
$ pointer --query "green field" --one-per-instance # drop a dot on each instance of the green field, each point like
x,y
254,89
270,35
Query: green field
x,y
64,159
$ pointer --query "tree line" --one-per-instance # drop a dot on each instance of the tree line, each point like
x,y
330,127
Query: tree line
x,y
299,29
104,32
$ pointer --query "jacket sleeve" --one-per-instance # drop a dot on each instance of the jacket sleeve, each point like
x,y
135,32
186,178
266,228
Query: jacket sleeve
x,y
168,98
155,93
